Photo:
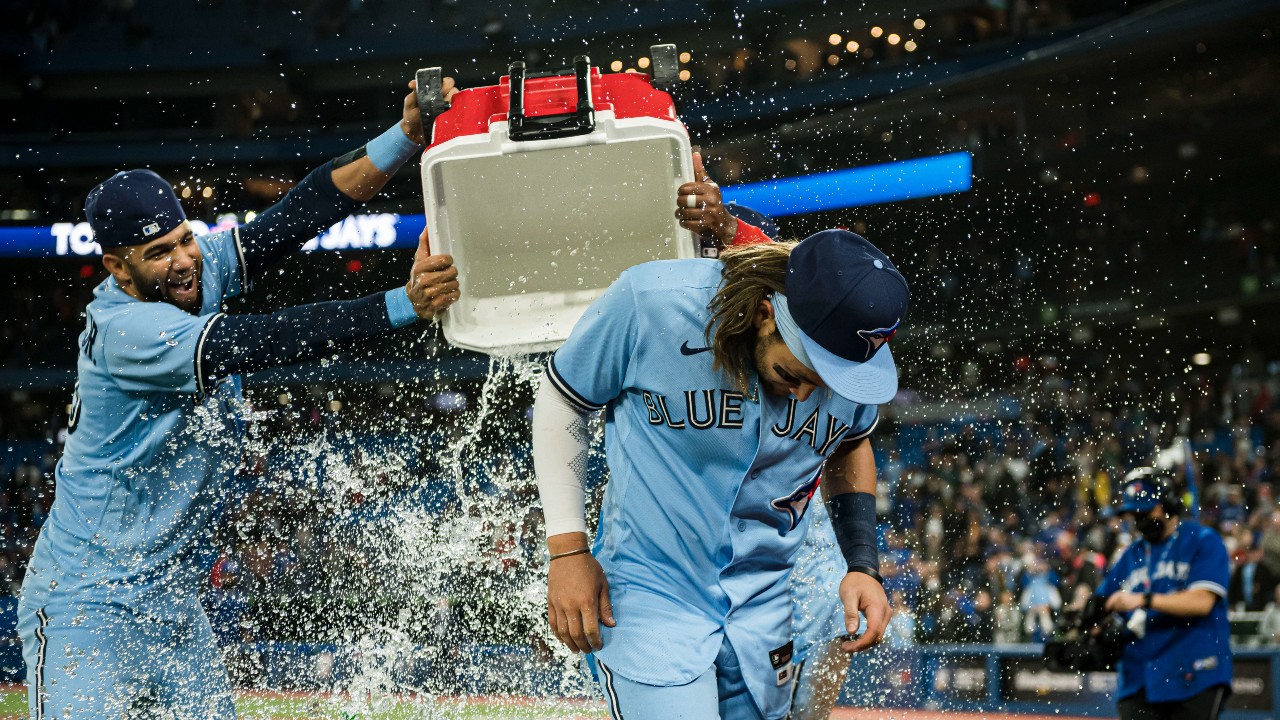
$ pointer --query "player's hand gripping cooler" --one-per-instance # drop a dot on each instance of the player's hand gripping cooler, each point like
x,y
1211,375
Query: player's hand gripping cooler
x,y
544,188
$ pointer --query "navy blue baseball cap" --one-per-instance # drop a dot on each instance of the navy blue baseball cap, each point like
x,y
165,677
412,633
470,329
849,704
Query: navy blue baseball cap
x,y
1142,491
845,300
132,207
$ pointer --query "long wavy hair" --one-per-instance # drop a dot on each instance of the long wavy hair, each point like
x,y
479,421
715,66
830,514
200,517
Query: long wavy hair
x,y
751,273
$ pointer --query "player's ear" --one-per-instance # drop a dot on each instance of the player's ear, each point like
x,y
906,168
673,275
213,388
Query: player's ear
x,y
764,317
116,265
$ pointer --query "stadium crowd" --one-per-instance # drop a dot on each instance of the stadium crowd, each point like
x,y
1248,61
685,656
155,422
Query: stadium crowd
x,y
990,527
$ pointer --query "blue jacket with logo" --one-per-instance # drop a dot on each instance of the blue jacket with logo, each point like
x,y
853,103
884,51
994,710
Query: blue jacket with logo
x,y
1179,656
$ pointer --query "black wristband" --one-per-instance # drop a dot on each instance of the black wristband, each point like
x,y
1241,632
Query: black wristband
x,y
349,158
868,571
853,517
1146,600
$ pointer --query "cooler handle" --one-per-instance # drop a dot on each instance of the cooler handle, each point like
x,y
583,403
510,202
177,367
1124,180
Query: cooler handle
x,y
666,66
580,121
430,98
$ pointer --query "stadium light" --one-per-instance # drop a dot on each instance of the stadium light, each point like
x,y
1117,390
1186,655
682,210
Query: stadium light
x,y
855,187
877,31
918,24
835,39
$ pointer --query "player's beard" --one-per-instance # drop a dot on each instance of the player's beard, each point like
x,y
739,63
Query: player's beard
x,y
156,289
761,358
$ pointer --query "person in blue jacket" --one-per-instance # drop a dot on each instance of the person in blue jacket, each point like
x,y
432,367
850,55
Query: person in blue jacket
x,y
1170,586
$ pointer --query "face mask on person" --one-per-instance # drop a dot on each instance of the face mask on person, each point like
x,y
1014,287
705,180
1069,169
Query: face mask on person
x,y
1150,527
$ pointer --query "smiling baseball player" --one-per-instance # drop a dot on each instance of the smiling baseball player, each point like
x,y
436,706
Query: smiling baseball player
x,y
110,618
729,386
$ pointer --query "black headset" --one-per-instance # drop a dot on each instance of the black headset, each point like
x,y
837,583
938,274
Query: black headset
x,y
1162,480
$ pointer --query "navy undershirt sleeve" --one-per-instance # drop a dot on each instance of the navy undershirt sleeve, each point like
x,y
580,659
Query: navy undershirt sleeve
x,y
311,207
235,344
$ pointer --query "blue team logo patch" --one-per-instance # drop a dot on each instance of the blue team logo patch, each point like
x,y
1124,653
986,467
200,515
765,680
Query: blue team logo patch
x,y
879,336
795,504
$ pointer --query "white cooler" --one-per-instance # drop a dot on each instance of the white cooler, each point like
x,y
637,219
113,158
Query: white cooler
x,y
543,196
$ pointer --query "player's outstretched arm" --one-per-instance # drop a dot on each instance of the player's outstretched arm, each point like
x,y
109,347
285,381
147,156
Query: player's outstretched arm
x,y
332,191
577,591
373,165
235,344
849,482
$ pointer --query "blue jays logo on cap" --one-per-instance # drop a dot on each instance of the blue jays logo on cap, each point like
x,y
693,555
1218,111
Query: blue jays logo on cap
x,y
876,338
1142,491
848,300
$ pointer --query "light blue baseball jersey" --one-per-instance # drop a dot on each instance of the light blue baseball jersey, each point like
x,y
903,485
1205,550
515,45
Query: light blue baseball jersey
x,y
147,456
818,614
1179,657
708,488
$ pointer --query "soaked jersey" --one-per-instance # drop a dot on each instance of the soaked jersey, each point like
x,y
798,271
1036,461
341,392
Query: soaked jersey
x,y
818,613
148,453
709,485
1178,657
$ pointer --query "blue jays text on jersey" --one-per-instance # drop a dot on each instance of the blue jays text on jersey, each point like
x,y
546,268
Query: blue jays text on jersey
x,y
1178,657
708,486
723,408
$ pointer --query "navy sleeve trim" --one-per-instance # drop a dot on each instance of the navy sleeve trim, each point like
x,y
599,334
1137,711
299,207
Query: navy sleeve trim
x,y
201,388
573,396
245,283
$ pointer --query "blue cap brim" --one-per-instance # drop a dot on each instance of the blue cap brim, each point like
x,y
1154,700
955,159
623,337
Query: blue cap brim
x,y
873,382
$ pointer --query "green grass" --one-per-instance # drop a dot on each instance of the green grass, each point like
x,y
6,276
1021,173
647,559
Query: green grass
x,y
286,706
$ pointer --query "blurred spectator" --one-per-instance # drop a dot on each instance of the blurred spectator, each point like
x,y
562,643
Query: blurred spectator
x,y
1252,584
1040,600
901,631
1008,620
1269,627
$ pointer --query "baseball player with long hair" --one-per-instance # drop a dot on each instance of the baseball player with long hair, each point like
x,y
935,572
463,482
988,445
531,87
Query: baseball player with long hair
x,y
730,386
110,617
818,623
